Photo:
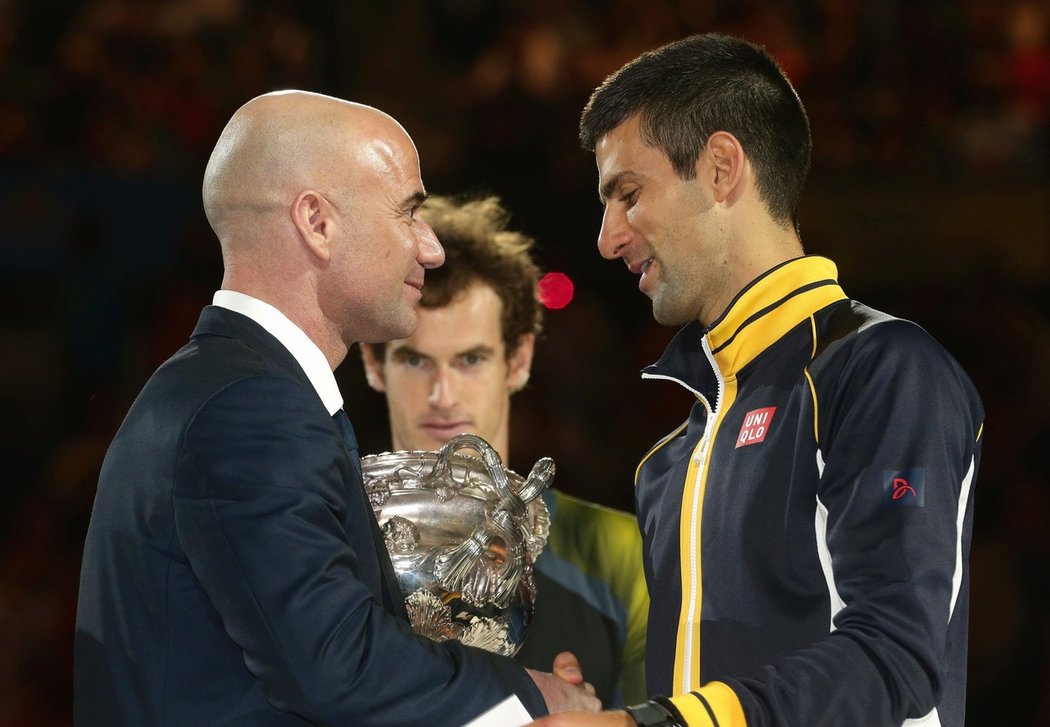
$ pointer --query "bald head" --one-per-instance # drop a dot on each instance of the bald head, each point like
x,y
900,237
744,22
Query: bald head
x,y
314,202
278,144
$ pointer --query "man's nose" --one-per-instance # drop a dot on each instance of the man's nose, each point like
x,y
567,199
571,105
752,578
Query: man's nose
x,y
431,254
442,390
615,232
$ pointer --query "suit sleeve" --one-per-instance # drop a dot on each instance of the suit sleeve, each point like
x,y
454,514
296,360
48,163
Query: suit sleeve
x,y
899,446
261,499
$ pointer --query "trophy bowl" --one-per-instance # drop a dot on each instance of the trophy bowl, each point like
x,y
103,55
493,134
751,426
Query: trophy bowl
x,y
462,533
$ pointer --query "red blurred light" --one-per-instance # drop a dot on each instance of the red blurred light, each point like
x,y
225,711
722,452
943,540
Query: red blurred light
x,y
556,290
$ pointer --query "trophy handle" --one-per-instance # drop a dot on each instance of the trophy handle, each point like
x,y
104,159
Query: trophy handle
x,y
538,480
512,502
467,568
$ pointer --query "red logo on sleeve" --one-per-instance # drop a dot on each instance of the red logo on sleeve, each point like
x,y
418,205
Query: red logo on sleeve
x,y
755,426
901,488
904,487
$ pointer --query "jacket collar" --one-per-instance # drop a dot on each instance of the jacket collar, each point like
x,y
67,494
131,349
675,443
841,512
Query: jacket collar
x,y
225,323
293,338
760,314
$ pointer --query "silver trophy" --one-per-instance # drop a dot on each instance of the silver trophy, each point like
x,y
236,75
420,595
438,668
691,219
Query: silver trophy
x,y
463,533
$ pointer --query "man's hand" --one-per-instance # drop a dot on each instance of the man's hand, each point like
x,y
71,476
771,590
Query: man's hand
x,y
585,719
565,689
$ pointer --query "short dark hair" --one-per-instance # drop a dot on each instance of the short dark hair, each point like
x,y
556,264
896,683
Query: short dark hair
x,y
687,90
480,249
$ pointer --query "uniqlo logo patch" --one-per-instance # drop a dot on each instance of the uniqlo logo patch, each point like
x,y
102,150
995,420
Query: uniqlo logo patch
x,y
755,426
904,488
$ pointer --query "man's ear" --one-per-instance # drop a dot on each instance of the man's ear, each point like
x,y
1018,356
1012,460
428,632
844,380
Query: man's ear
x,y
373,368
725,164
313,218
519,365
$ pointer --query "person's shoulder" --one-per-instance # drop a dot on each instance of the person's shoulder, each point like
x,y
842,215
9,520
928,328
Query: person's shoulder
x,y
203,369
565,503
588,520
602,543
850,322
229,376
864,352
857,331
227,348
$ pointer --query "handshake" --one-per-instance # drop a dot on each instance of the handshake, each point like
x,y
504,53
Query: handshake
x,y
572,702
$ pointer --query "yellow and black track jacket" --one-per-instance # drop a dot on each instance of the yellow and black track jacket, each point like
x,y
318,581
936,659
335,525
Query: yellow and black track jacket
x,y
807,529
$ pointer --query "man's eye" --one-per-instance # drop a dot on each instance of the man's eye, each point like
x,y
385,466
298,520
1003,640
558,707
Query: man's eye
x,y
472,359
414,361
630,197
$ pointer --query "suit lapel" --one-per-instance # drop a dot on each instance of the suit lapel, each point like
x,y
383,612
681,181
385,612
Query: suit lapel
x,y
218,321
392,598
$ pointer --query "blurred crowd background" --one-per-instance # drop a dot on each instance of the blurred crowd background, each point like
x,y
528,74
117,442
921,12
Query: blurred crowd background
x,y
931,124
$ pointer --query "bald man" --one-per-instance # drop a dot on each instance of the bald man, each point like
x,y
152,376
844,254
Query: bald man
x,y
233,572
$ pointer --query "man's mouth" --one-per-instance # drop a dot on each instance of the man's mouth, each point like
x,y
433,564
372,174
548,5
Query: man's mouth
x,y
641,267
445,429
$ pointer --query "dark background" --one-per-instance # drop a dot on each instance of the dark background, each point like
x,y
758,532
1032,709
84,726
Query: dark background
x,y
929,189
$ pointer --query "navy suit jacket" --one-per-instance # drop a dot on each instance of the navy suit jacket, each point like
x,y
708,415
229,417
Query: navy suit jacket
x,y
231,575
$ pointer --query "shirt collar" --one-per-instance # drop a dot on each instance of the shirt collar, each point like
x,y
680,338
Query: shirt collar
x,y
292,337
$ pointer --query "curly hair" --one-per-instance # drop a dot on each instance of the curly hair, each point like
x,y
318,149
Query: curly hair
x,y
480,249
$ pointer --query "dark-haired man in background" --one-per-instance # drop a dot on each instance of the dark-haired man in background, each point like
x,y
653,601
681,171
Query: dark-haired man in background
x,y
478,321
807,528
